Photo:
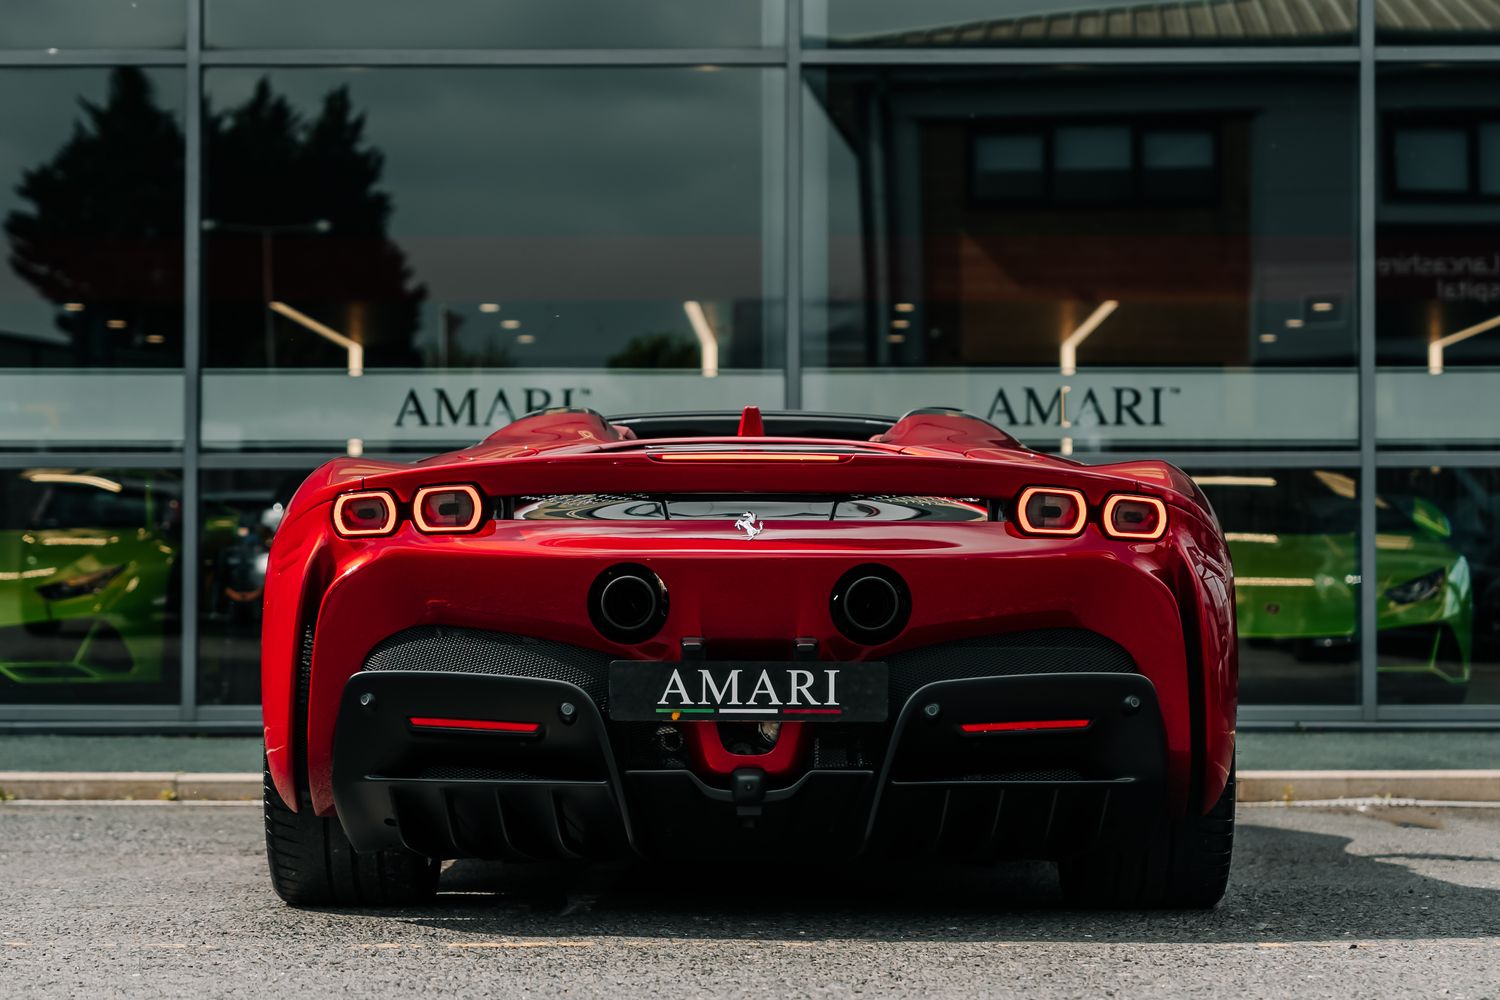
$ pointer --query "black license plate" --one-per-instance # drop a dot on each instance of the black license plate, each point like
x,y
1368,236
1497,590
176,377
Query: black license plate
x,y
746,690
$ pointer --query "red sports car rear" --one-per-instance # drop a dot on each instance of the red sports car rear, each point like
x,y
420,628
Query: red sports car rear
x,y
736,636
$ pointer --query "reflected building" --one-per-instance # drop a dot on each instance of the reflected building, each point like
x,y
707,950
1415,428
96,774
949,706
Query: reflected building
x,y
1179,229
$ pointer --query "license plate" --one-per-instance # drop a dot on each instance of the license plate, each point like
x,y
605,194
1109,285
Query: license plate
x,y
747,690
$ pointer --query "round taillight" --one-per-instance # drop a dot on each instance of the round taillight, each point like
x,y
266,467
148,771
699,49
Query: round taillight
x,y
446,508
1050,511
372,512
1143,518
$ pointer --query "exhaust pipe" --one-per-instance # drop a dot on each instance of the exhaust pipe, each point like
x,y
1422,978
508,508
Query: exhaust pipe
x,y
870,604
628,603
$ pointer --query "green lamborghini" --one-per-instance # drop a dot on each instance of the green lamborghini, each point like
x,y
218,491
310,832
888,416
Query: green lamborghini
x,y
1293,537
87,565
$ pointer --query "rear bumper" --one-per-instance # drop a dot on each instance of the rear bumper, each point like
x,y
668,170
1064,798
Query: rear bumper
x,y
571,788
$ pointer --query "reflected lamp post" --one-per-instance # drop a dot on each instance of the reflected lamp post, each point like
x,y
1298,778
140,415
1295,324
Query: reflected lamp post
x,y
267,233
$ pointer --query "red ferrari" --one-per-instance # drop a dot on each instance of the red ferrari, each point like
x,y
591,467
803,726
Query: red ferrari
x,y
736,636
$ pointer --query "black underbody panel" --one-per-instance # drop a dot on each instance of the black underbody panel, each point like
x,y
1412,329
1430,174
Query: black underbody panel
x,y
581,786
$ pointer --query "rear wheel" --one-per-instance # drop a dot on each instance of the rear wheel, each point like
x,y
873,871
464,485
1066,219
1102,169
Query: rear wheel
x,y
1186,866
313,864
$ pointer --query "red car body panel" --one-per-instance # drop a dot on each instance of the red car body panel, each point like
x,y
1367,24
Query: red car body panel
x,y
1169,603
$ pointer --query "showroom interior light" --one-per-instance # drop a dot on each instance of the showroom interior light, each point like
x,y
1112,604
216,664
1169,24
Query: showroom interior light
x,y
72,478
1437,347
1235,480
1068,351
708,344
355,349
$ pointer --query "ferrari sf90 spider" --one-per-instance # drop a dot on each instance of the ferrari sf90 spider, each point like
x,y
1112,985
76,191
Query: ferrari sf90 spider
x,y
744,636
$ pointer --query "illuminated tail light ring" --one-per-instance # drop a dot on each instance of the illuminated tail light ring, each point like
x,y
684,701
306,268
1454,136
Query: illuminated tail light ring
x,y
1108,520
1024,522
342,503
477,514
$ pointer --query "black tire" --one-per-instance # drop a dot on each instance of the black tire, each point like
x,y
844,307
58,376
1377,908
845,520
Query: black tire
x,y
1185,867
313,864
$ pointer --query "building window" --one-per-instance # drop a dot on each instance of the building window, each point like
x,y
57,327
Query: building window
x,y
1091,164
1457,161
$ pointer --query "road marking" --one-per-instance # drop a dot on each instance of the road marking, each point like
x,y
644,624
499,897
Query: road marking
x,y
521,944
1368,801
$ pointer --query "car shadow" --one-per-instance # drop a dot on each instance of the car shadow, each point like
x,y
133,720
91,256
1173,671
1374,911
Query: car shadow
x,y
1287,886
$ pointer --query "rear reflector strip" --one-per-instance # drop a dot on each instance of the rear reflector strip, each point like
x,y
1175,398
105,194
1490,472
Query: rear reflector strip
x,y
482,725
1023,727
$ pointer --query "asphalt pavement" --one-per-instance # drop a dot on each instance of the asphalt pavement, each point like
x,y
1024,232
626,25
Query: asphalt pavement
x,y
173,900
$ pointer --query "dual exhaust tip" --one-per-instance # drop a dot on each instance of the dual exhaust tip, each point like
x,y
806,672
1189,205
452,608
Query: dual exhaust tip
x,y
870,604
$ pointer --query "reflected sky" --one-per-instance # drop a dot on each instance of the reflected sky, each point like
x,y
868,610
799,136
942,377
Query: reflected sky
x,y
92,24
467,24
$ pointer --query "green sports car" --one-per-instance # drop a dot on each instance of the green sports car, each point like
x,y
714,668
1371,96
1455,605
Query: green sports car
x,y
1293,537
87,571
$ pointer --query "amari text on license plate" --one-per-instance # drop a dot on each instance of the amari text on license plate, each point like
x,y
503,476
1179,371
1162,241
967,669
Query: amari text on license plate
x,y
704,690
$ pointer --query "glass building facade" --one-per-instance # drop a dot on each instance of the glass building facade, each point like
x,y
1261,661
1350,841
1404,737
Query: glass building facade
x,y
1259,238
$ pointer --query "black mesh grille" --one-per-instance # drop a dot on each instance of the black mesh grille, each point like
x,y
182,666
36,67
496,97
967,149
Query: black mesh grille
x,y
1054,774
475,651
1043,651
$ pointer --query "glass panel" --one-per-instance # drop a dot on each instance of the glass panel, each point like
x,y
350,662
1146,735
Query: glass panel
x,y
1438,607
241,512
1437,269
988,23
1092,163
1093,258
93,24
427,253
1010,167
91,205
1489,158
1178,165
1294,539
90,587
476,24
1431,161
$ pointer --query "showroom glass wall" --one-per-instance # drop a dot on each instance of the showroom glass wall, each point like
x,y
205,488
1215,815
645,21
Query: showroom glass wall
x,y
1256,238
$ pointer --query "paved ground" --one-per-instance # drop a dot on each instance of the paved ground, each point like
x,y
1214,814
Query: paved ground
x,y
173,900
1259,750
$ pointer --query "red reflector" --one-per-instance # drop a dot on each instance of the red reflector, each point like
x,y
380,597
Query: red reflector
x,y
484,725
1021,727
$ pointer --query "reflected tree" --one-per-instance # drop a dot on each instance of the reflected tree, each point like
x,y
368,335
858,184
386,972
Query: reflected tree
x,y
102,237
293,214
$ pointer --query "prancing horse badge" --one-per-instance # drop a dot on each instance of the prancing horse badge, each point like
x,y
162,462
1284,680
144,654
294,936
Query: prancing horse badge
x,y
749,525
